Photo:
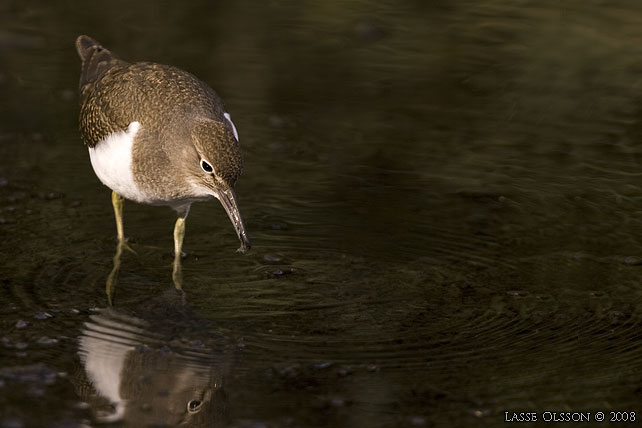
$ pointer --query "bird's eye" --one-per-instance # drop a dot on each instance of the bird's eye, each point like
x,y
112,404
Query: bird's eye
x,y
194,406
206,166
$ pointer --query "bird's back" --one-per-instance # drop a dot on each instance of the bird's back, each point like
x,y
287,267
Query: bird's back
x,y
115,93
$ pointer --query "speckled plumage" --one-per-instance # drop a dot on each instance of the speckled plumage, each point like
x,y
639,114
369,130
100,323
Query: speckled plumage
x,y
182,122
170,104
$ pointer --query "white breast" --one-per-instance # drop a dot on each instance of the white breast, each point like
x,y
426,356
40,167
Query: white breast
x,y
112,162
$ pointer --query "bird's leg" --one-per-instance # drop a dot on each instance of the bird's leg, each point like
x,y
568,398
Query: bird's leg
x,y
179,234
117,202
112,279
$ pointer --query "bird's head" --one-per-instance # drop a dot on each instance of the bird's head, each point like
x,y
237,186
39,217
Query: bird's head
x,y
215,165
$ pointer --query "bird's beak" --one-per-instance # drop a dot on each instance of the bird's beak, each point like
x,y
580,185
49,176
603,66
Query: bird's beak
x,y
228,200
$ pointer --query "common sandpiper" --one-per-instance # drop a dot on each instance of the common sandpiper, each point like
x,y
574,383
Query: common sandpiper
x,y
157,135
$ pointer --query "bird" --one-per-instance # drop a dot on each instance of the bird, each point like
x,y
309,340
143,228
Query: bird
x,y
157,135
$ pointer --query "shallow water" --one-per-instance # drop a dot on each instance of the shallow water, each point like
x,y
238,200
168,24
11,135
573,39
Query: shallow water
x,y
444,202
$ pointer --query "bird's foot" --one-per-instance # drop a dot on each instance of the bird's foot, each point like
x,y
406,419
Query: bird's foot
x,y
123,245
128,248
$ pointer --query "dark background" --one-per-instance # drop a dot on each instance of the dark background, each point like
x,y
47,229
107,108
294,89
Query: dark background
x,y
444,200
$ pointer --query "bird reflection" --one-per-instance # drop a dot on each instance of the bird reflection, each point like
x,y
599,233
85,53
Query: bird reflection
x,y
153,370
112,278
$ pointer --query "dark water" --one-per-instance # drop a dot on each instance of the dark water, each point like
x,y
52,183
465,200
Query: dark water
x,y
444,200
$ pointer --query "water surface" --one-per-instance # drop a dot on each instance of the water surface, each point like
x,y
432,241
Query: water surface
x,y
444,202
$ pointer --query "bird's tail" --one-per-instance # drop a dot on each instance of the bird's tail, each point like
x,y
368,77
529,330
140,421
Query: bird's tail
x,y
95,61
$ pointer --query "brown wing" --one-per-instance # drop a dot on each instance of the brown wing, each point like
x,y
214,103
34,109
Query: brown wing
x,y
115,93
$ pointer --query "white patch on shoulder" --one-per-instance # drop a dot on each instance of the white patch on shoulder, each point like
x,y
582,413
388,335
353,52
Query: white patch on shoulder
x,y
229,119
111,159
